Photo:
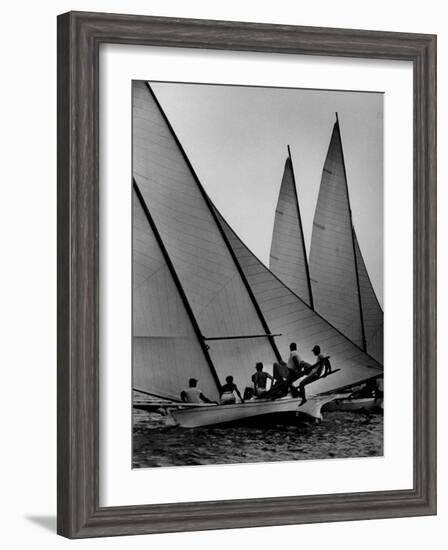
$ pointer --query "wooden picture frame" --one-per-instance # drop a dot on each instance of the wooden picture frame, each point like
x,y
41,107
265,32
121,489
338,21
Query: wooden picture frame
x,y
79,38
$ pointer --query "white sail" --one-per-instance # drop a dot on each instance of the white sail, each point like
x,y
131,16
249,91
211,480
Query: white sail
x,y
341,286
211,279
372,314
290,316
288,255
332,255
166,350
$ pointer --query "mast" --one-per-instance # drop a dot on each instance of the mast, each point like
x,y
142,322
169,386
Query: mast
x,y
302,238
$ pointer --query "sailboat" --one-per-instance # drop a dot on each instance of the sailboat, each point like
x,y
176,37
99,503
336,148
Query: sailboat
x,y
336,282
196,312
294,320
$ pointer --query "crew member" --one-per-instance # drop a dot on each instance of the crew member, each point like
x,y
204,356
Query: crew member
x,y
297,368
260,379
294,361
280,371
228,392
326,370
313,372
193,394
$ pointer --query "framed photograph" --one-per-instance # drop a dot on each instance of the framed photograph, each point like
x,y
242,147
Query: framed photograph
x,y
246,274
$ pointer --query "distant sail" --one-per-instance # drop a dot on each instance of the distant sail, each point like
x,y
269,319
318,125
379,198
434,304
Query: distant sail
x,y
332,255
341,287
289,315
166,350
214,285
372,313
288,254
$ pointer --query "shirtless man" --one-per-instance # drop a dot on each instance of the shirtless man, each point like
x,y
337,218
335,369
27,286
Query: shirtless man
x,y
228,391
326,366
314,372
297,368
260,379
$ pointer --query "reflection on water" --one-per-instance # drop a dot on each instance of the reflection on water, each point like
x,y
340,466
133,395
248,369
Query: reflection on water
x,y
341,435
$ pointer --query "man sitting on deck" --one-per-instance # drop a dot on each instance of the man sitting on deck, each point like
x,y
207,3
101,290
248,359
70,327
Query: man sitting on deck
x,y
228,391
193,394
287,373
297,368
280,384
280,371
296,364
260,379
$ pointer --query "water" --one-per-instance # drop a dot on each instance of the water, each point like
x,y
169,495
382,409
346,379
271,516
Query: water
x,y
341,435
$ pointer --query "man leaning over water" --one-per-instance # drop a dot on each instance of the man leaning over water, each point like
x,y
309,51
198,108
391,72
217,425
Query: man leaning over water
x,y
314,372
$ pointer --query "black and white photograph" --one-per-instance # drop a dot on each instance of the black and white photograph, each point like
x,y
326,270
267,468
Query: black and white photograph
x,y
220,275
257,274
243,221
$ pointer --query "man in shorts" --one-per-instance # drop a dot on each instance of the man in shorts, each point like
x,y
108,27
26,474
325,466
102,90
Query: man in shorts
x,y
228,391
260,379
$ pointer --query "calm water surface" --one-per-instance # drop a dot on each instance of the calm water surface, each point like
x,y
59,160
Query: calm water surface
x,y
341,435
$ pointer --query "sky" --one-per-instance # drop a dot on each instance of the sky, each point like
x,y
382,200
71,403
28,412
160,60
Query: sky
x,y
236,139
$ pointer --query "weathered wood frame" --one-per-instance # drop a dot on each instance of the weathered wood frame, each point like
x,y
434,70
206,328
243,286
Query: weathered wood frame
x,y
79,38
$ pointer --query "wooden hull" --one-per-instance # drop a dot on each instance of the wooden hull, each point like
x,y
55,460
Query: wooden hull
x,y
224,414
362,404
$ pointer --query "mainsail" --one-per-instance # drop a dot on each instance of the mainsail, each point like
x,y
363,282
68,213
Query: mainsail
x,y
288,254
341,287
220,298
166,348
287,314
